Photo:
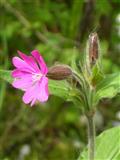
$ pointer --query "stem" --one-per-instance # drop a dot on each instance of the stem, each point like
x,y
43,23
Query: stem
x,y
91,137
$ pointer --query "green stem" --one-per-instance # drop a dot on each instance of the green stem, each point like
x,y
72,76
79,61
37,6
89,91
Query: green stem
x,y
91,137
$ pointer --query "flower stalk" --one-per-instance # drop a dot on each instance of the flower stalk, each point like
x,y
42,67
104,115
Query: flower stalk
x,y
91,137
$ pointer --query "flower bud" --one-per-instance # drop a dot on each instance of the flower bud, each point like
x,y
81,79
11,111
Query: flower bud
x,y
59,72
93,44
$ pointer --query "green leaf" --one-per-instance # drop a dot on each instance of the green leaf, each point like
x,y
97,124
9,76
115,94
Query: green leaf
x,y
107,146
58,88
6,75
108,87
97,75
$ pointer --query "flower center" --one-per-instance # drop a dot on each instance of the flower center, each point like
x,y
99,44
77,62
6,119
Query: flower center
x,y
37,77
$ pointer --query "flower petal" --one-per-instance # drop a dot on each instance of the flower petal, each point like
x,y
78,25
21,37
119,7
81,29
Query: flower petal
x,y
22,65
16,73
30,61
28,96
39,91
23,83
40,61
43,90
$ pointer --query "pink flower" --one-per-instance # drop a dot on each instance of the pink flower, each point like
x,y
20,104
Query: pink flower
x,y
30,76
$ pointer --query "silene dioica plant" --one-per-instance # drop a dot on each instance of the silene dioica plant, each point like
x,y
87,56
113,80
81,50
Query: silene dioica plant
x,y
84,84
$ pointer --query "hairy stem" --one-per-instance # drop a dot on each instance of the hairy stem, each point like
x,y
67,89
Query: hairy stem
x,y
91,137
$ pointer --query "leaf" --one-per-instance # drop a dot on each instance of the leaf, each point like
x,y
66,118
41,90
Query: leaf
x,y
107,146
6,75
97,74
108,87
60,89
57,88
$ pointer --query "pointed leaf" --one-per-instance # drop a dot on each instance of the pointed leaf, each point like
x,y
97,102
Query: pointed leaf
x,y
108,87
107,146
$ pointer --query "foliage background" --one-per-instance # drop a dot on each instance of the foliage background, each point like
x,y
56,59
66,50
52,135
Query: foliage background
x,y
59,30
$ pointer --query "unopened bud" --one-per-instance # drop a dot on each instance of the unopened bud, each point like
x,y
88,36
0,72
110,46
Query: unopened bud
x,y
93,48
59,72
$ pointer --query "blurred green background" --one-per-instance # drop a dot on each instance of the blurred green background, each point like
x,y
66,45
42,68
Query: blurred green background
x,y
59,29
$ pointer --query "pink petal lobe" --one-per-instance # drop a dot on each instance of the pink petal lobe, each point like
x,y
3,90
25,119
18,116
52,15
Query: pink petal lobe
x,y
22,65
16,73
43,90
30,61
28,96
40,61
23,83
39,91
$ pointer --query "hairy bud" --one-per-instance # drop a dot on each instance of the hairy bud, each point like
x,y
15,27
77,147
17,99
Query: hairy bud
x,y
93,48
59,72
